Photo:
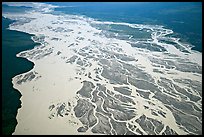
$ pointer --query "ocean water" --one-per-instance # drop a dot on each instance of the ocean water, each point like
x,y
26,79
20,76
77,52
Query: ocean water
x,y
13,42
13,9
184,19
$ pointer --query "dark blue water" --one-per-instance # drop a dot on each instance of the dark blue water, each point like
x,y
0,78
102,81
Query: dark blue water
x,y
184,18
13,42
12,9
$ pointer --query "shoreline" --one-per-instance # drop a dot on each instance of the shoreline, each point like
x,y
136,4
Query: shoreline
x,y
10,46
67,60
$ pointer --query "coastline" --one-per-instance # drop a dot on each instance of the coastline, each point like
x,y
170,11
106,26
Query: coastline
x,y
80,58
10,95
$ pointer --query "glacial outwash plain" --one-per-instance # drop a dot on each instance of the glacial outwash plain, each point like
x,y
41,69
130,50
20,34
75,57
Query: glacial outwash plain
x,y
88,80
